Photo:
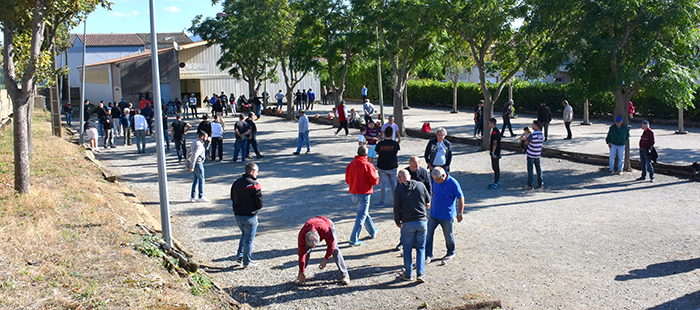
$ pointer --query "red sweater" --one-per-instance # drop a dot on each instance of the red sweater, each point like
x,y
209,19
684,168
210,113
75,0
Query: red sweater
x,y
361,176
647,139
322,226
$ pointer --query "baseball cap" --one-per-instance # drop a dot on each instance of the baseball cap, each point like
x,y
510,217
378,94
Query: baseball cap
x,y
618,119
645,123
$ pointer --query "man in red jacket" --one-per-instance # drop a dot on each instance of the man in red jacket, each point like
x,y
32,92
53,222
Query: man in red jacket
x,y
317,229
361,176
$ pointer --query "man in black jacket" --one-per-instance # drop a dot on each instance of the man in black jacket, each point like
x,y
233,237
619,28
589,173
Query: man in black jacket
x,y
205,127
252,142
544,116
246,195
411,199
438,152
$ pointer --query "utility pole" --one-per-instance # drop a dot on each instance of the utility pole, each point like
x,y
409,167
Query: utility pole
x,y
82,87
379,80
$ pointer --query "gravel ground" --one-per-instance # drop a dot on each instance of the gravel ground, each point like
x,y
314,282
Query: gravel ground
x,y
589,240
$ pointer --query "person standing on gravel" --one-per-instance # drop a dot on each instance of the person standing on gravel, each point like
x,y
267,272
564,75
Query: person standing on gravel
x,y
495,149
246,195
616,139
396,135
197,154
507,115
646,143
368,108
179,129
342,113
568,116
438,152
242,130
447,203
317,229
303,133
140,126
544,116
361,177
534,150
410,202
252,140
387,163
419,174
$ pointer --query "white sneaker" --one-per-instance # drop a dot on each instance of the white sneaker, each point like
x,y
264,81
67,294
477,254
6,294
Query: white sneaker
x,y
192,200
203,199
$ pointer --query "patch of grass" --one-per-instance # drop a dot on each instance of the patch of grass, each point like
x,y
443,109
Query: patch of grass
x,y
148,246
203,284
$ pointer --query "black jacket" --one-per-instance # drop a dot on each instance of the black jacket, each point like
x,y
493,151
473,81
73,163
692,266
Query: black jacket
x,y
204,126
246,196
431,151
422,175
410,200
544,114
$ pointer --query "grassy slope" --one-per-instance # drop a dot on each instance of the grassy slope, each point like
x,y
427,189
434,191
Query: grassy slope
x,y
71,242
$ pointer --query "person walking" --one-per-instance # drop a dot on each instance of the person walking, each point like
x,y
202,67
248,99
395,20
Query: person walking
x,y
246,195
495,148
126,126
217,139
279,96
507,115
242,130
197,154
252,141
446,205
646,143
616,139
193,106
438,152
387,163
311,97
364,93
368,108
411,199
317,229
361,176
303,133
568,116
534,150
544,116
342,114
68,110
178,129
140,127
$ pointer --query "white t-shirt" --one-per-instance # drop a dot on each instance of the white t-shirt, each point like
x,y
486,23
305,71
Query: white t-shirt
x,y
216,130
441,156
394,126
362,139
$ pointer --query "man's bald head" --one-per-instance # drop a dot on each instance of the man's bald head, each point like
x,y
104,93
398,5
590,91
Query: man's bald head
x,y
414,163
404,176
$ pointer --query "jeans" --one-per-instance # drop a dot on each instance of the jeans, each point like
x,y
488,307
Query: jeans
x,y
233,109
363,218
506,122
446,231
140,136
618,150
536,162
337,256
180,148
257,110
166,139
109,137
198,180
646,164
102,129
242,145
478,128
252,142
68,118
568,129
127,134
413,235
495,164
186,110
248,226
217,142
303,137
386,178
545,127
279,104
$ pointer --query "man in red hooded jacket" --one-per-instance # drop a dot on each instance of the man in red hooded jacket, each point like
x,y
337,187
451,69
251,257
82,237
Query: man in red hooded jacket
x,y
361,175
317,229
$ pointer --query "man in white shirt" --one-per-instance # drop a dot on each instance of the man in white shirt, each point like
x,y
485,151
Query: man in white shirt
x,y
279,96
140,128
568,118
217,139
368,108
303,133
195,162
396,136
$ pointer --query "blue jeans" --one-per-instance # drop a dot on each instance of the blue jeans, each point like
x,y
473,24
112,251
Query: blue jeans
x,y
446,230
646,164
618,150
68,118
257,110
140,136
248,226
166,138
413,235
363,218
303,137
198,180
386,178
279,104
242,145
536,163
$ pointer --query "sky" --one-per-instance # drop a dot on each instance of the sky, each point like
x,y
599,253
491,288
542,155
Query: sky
x,y
132,16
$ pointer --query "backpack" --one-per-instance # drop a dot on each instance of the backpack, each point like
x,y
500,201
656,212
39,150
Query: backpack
x,y
426,127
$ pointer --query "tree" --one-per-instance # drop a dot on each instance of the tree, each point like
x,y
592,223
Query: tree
x,y
408,31
455,61
24,24
496,45
243,32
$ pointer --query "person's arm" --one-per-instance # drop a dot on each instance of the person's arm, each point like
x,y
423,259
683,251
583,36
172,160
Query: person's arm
x,y
187,128
257,196
427,155
398,208
448,154
302,259
373,177
460,209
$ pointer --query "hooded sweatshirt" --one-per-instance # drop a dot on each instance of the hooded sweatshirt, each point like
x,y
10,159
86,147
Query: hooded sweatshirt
x,y
410,200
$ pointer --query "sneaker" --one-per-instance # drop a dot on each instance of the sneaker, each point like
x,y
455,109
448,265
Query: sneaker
x,y
494,186
308,151
295,153
358,243
347,136
428,260
420,279
192,200
336,134
260,156
651,180
399,247
404,277
202,199
527,187
345,280
448,257
239,260
379,205
642,179
250,265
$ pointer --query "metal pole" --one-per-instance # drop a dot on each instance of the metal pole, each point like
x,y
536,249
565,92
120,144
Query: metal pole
x,y
379,80
81,106
162,176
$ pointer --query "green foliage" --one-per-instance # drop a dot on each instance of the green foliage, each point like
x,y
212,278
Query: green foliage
x,y
147,245
203,284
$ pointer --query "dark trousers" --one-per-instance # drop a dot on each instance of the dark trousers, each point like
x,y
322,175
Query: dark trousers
x,y
568,129
506,122
180,148
343,125
496,169
252,141
545,127
217,143
368,119
193,111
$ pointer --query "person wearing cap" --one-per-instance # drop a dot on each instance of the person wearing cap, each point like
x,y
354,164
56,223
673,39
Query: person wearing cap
x,y
315,230
616,139
568,118
507,115
193,105
303,133
646,143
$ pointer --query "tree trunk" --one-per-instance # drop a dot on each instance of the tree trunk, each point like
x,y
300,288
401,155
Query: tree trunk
x,y
290,103
488,114
454,96
405,95
20,101
30,124
622,100
398,104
